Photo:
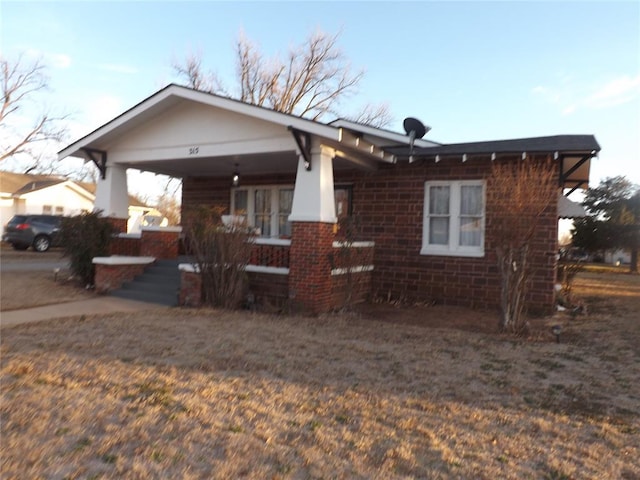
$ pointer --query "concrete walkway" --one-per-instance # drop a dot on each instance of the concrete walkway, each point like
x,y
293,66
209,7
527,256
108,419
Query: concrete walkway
x,y
100,305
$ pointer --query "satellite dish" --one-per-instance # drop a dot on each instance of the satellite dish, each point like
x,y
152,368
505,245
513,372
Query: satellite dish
x,y
415,129
414,125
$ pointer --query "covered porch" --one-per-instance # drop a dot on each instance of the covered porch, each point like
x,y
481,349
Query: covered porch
x,y
277,171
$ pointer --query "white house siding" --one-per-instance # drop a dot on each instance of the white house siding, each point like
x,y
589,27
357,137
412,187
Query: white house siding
x,y
62,199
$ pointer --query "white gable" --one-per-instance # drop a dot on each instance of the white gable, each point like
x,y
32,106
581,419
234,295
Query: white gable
x,y
193,130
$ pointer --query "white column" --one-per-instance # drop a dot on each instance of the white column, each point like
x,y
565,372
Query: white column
x,y
112,196
313,197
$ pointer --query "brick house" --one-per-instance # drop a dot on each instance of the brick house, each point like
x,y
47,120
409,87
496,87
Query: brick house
x,y
420,205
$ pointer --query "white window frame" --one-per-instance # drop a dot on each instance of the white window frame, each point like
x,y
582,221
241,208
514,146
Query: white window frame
x,y
275,205
453,248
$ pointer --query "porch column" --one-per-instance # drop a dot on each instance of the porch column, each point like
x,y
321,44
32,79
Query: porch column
x,y
112,196
313,219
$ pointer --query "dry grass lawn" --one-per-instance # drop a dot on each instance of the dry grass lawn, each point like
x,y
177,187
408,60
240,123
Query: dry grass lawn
x,y
35,288
401,393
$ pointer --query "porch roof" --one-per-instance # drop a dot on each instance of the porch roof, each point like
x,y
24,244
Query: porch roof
x,y
273,149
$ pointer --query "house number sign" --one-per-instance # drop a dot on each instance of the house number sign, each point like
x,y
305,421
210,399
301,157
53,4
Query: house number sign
x,y
194,150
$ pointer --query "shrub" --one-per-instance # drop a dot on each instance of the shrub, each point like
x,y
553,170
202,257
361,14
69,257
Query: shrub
x,y
84,237
221,253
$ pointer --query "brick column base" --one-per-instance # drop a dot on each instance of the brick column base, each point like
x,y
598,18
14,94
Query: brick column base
x,y
310,266
190,289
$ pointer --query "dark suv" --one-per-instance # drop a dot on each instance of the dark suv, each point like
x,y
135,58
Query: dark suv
x,y
37,231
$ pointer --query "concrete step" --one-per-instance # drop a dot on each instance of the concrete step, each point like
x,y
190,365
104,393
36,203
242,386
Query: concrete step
x,y
152,287
160,299
160,283
163,270
158,279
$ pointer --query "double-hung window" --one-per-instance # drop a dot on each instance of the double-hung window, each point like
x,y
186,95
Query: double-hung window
x,y
265,208
454,218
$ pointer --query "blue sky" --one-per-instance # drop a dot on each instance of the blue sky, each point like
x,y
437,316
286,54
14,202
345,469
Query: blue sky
x,y
470,70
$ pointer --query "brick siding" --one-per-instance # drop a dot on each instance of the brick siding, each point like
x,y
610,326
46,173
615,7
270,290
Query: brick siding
x,y
159,244
190,289
310,269
389,204
120,224
270,291
125,246
111,277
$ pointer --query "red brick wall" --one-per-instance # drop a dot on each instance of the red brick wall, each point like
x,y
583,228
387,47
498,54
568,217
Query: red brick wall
x,y
217,190
310,265
389,203
270,291
159,244
190,289
111,277
120,224
125,246
358,284
343,256
270,255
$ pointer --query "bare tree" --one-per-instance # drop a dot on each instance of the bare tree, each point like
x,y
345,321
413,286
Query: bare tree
x,y
373,115
168,203
191,70
312,81
21,84
519,193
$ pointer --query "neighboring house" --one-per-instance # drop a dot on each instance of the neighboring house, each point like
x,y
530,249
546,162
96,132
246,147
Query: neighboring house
x,y
421,205
139,214
51,194
35,194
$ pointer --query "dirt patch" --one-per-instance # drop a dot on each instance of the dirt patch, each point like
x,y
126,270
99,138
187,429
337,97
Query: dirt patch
x,y
179,393
25,289
34,289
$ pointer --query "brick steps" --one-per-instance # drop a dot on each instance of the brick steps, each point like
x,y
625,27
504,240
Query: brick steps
x,y
160,283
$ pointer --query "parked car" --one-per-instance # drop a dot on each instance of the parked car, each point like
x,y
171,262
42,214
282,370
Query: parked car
x,y
37,231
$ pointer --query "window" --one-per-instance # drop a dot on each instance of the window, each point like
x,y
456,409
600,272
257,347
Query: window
x,y
59,210
453,218
284,210
262,211
47,209
265,208
268,208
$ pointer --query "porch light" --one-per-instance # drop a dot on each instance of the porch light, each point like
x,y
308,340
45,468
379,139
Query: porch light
x,y
235,178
